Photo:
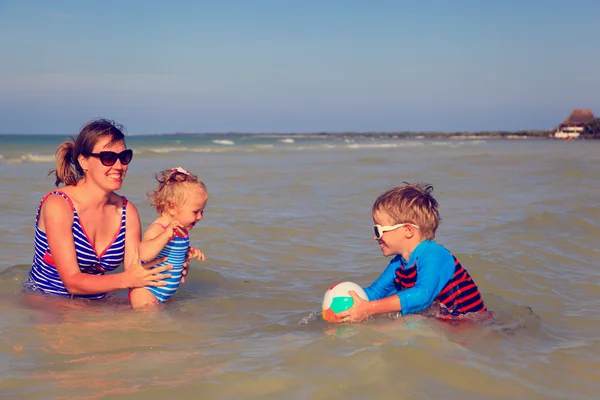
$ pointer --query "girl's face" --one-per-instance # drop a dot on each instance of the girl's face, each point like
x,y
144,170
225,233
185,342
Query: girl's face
x,y
192,208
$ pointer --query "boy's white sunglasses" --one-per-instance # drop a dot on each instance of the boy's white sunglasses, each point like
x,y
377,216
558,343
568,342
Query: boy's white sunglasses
x,y
379,230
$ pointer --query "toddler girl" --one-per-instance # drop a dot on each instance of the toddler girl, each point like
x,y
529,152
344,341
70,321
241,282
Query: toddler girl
x,y
179,200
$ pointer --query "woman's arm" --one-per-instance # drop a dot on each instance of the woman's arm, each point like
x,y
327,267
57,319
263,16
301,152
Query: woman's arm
x,y
133,233
58,223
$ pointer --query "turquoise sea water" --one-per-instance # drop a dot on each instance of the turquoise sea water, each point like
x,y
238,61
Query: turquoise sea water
x,y
287,217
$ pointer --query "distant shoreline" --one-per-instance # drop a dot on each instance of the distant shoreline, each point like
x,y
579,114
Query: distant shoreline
x,y
392,135
522,134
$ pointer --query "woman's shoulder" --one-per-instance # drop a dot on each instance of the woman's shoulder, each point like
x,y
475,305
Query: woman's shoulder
x,y
122,202
56,199
58,207
118,201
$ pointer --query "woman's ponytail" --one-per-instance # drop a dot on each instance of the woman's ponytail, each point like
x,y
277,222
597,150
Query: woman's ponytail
x,y
66,171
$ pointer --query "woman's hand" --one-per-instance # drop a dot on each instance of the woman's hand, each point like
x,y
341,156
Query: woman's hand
x,y
138,275
358,312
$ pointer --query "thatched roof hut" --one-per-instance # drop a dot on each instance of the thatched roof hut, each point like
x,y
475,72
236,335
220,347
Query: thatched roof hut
x,y
578,117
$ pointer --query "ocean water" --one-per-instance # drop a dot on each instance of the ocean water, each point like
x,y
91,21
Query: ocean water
x,y
287,217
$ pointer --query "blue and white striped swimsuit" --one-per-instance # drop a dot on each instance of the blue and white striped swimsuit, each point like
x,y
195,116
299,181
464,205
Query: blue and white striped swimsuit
x,y
176,253
43,276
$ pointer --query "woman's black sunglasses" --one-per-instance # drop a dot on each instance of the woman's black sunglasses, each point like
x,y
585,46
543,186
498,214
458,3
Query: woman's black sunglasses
x,y
109,158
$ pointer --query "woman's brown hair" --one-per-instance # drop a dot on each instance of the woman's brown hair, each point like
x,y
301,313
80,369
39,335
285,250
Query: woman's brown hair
x,y
68,170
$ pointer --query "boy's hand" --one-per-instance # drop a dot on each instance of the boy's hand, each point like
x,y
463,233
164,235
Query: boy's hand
x,y
359,311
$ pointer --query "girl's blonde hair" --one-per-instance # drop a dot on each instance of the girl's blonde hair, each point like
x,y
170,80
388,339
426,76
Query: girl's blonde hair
x,y
171,188
411,203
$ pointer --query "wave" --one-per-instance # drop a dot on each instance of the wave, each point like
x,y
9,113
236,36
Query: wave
x,y
229,145
32,157
28,157
168,150
225,142
160,150
382,145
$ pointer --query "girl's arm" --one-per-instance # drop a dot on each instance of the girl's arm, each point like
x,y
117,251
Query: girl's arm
x,y
155,239
194,252
58,223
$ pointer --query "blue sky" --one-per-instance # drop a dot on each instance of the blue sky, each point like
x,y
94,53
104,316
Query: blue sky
x,y
297,66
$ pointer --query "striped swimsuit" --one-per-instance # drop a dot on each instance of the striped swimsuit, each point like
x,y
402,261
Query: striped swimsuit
x,y
176,253
43,276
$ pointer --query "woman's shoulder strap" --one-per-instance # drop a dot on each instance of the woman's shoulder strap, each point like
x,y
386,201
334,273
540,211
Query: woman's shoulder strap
x,y
59,193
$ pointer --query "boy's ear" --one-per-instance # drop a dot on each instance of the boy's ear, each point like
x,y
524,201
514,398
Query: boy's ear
x,y
410,231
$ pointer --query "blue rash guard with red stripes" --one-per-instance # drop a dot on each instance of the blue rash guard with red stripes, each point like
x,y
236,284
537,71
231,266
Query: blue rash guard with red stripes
x,y
431,273
43,276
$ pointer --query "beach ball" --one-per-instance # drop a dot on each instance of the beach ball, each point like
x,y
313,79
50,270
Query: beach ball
x,y
337,299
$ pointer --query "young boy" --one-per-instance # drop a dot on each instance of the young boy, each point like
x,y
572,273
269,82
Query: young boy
x,y
406,219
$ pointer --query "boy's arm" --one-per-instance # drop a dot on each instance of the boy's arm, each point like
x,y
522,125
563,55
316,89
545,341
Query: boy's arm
x,y
435,269
384,285
363,309
382,296
155,239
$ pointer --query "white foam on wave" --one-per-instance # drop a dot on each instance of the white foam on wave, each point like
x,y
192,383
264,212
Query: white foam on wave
x,y
287,140
167,150
210,150
28,157
458,143
383,145
38,158
470,137
225,142
160,150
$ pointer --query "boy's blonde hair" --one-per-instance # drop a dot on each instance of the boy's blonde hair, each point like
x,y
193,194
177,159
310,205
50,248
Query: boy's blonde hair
x,y
411,203
171,188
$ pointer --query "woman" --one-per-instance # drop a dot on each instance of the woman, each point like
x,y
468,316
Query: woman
x,y
84,229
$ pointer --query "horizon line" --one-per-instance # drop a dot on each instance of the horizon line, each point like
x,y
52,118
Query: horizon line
x,y
345,132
